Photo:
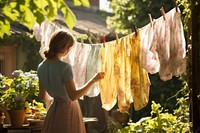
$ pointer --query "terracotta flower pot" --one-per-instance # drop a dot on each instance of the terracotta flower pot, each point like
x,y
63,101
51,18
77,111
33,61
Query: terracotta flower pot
x,y
16,117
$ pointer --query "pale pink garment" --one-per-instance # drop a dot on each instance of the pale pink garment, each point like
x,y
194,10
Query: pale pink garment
x,y
163,48
169,43
78,58
150,60
64,116
47,31
178,50
43,33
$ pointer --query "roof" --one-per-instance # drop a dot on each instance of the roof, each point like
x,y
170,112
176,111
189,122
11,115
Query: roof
x,y
89,20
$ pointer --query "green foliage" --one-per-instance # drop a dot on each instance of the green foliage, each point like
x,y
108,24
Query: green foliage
x,y
28,12
163,92
129,12
185,5
81,2
162,121
159,122
24,86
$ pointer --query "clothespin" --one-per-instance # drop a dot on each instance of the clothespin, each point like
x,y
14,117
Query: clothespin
x,y
103,40
116,35
89,38
151,21
82,41
92,36
175,5
135,29
163,12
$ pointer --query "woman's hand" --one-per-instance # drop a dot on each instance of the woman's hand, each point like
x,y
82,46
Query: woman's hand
x,y
74,93
98,76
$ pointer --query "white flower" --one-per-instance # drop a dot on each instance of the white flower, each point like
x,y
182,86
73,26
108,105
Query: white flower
x,y
17,73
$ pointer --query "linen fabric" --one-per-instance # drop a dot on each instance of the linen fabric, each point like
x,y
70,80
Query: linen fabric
x,y
140,83
122,70
93,67
169,43
150,60
78,58
108,84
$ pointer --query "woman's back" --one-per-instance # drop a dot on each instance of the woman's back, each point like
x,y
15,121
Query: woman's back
x,y
53,75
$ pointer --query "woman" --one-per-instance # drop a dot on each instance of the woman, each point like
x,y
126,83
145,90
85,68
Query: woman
x,y
56,80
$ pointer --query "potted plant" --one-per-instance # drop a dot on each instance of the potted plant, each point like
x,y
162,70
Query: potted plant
x,y
22,87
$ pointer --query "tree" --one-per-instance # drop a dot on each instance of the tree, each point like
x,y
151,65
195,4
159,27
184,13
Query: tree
x,y
129,12
28,12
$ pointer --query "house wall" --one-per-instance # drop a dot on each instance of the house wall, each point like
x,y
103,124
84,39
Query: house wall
x,y
20,57
11,58
8,60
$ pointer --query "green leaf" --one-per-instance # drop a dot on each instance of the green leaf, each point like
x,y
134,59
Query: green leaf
x,y
38,7
39,17
52,10
28,19
9,13
85,3
4,27
69,17
41,4
77,3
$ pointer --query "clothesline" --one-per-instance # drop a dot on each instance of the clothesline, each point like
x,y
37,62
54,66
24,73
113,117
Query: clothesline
x,y
158,48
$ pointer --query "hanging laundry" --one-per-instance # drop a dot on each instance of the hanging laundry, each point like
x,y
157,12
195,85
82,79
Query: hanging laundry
x,y
122,70
92,67
140,83
43,33
166,52
176,65
107,85
163,46
150,60
78,58
178,45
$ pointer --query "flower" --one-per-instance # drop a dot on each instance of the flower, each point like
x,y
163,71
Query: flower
x,y
35,106
15,91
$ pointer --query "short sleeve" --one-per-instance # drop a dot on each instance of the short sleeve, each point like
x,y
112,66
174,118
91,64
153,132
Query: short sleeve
x,y
67,73
38,70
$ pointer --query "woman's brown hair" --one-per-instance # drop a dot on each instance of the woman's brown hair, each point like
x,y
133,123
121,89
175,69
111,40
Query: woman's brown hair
x,y
59,41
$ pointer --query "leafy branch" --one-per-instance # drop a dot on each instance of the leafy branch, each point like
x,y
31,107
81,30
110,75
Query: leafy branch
x,y
28,12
